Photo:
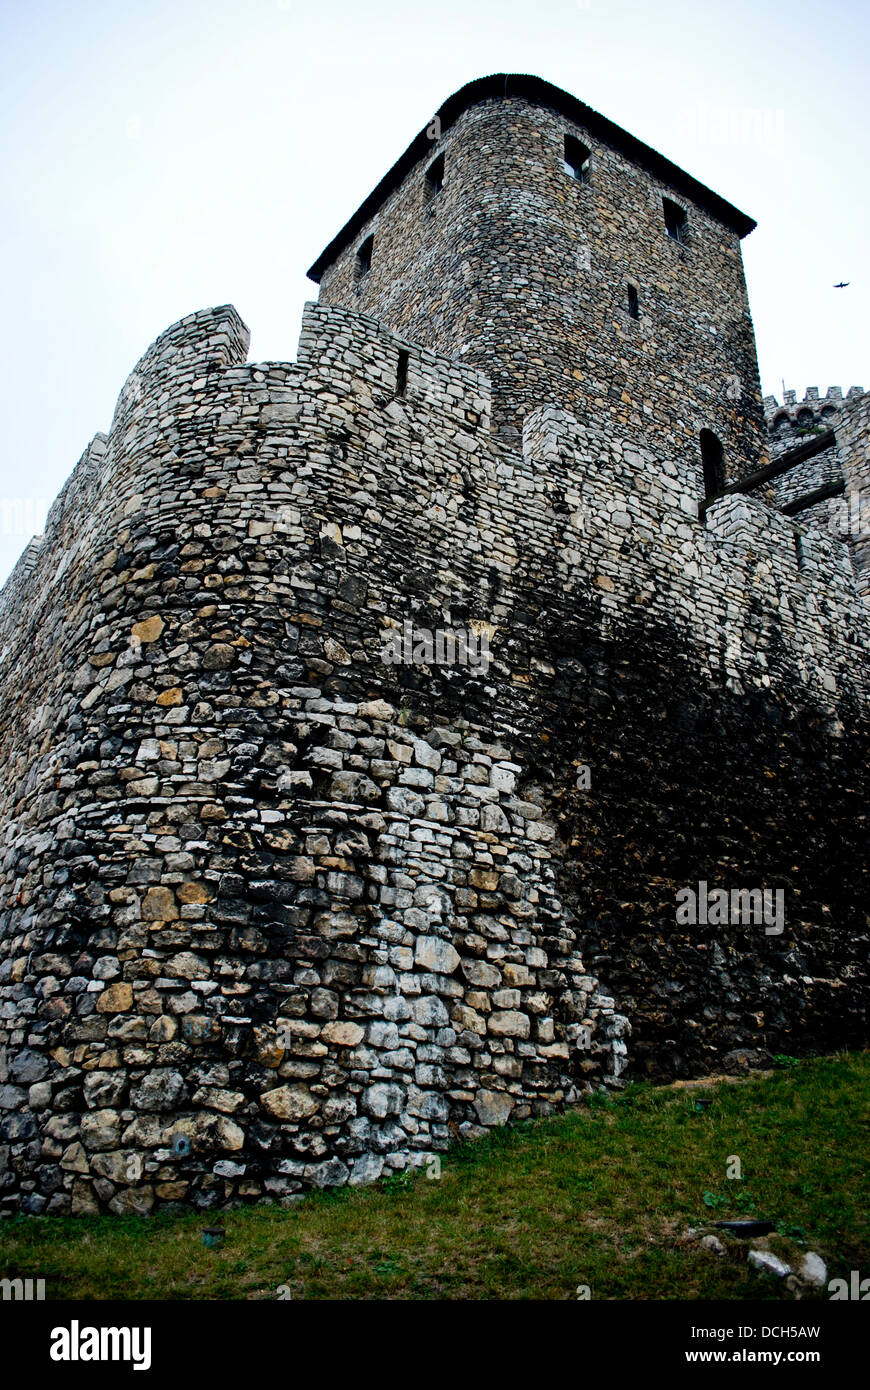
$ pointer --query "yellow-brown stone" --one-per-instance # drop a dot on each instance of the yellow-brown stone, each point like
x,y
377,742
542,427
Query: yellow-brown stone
x,y
159,905
194,893
117,999
342,1034
149,629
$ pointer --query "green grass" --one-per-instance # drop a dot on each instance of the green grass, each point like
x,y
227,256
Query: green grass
x,y
601,1197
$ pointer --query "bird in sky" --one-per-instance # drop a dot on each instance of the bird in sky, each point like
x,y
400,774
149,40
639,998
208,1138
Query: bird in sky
x,y
842,285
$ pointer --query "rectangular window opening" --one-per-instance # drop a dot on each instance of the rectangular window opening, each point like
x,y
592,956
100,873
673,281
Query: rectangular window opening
x,y
576,160
435,177
633,302
676,221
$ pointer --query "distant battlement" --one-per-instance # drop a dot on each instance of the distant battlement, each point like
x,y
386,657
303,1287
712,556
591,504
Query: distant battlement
x,y
829,473
812,410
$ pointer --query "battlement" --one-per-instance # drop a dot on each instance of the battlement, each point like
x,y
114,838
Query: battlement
x,y
827,474
816,409
360,405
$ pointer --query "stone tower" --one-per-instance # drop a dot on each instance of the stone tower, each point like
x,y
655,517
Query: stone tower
x,y
526,235
293,892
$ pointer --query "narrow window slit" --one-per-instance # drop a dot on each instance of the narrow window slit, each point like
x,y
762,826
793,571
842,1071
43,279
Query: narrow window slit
x,y
713,464
364,257
435,176
402,372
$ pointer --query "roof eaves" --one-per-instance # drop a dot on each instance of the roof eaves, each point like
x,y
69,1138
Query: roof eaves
x,y
540,93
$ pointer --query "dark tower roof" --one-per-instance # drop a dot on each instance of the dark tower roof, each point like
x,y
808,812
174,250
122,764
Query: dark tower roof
x,y
539,93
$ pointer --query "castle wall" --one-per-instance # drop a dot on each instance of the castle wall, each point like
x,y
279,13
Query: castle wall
x,y
277,913
853,436
796,422
523,271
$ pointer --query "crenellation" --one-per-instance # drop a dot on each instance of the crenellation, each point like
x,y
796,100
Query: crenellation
x,y
832,397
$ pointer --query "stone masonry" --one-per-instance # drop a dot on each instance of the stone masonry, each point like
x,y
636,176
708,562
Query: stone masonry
x,y
277,913
522,270
793,423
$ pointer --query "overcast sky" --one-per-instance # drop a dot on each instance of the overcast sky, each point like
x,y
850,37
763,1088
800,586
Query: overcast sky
x,y
169,155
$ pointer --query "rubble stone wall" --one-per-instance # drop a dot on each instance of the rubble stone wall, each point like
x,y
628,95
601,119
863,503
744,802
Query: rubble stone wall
x,y
279,913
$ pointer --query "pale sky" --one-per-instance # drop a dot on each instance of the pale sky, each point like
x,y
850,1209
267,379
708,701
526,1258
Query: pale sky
x,y
166,156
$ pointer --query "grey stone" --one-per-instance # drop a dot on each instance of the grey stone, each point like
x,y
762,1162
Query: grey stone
x,y
432,953
406,802
28,1066
100,1130
161,1089
768,1263
366,1169
429,1012
382,1100
11,1097
105,1089
243,854
493,1107
331,1173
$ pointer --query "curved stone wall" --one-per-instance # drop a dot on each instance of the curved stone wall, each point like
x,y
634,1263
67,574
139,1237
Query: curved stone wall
x,y
278,912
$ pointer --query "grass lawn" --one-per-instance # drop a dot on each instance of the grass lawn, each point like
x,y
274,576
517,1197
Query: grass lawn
x,y
600,1197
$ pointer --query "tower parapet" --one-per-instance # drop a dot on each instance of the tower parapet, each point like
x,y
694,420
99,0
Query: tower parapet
x,y
796,422
566,259
793,420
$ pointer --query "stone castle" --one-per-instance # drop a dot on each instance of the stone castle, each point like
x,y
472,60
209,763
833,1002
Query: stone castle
x,y
280,913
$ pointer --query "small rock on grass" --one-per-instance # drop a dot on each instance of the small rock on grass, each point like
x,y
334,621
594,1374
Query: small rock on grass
x,y
768,1263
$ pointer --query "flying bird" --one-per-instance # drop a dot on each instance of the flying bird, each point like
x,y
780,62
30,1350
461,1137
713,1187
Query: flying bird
x,y
842,285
